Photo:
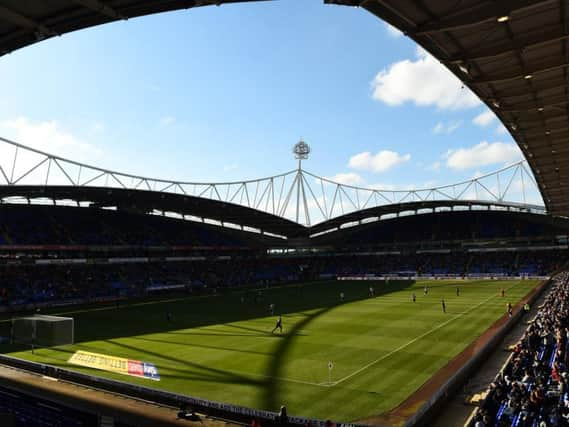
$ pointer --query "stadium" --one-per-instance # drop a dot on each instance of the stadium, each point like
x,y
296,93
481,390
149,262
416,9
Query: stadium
x,y
295,298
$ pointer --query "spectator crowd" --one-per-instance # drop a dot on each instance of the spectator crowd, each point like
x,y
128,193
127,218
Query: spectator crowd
x,y
67,281
531,390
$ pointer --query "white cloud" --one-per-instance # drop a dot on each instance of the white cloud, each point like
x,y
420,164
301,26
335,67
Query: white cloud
x,y
392,31
436,166
488,118
452,126
439,127
167,121
349,178
447,128
501,130
48,136
483,154
484,119
382,161
425,82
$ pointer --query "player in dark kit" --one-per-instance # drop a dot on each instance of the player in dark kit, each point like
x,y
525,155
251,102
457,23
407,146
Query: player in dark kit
x,y
457,291
279,325
414,297
444,306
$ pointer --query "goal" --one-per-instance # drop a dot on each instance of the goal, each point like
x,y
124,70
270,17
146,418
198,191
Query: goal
x,y
43,330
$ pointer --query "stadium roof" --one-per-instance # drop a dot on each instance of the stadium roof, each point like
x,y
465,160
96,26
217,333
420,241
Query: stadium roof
x,y
418,207
26,22
147,201
512,53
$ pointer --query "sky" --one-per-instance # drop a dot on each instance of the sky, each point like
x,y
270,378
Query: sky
x,y
223,93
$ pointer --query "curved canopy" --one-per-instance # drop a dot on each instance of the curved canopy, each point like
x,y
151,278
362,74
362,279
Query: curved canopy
x,y
145,201
512,53
376,213
148,201
26,22
297,195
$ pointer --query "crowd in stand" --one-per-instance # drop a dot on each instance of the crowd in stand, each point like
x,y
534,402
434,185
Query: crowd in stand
x,y
40,284
485,263
447,226
531,390
94,253
41,225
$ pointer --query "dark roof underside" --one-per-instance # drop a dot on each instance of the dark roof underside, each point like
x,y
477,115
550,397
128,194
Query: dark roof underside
x,y
146,201
518,67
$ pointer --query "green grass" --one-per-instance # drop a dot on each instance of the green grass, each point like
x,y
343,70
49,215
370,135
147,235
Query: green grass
x,y
218,348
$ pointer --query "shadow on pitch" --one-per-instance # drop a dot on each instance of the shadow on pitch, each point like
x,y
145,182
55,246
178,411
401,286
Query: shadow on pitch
x,y
222,310
208,347
271,397
309,303
205,373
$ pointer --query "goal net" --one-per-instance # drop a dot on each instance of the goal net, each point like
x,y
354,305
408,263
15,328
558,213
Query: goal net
x,y
42,330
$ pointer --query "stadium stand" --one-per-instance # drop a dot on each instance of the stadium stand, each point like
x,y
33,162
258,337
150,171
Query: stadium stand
x,y
511,54
450,228
531,389
19,409
54,225
67,255
67,282
53,256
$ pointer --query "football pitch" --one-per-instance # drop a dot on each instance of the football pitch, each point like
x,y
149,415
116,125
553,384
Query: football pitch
x,y
220,348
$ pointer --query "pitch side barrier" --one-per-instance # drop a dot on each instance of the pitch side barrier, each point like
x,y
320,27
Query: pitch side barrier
x,y
210,408
441,277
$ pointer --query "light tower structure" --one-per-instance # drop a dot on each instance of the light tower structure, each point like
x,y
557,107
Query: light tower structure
x,y
301,151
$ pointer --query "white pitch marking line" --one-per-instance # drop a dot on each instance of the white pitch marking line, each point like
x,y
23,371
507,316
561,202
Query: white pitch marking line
x,y
363,368
285,379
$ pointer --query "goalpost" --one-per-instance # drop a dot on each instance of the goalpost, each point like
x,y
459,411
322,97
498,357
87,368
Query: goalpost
x,y
42,331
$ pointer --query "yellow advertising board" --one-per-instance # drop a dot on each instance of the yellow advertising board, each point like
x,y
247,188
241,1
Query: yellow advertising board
x,y
119,365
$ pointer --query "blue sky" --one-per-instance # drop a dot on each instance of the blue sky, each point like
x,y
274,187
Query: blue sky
x,y
223,93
